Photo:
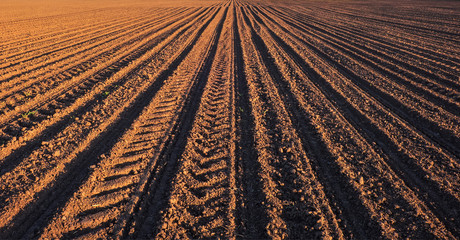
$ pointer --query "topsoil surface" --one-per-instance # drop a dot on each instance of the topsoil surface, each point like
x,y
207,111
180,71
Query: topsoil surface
x,y
230,119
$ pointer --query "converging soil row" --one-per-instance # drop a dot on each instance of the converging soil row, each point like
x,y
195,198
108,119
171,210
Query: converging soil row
x,y
233,119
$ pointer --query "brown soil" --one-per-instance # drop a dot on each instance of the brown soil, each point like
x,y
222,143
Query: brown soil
x,y
230,119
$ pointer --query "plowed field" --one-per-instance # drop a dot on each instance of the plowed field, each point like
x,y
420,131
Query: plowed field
x,y
230,119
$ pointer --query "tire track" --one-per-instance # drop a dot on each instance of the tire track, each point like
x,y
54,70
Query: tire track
x,y
90,136
202,202
127,167
144,220
231,119
89,85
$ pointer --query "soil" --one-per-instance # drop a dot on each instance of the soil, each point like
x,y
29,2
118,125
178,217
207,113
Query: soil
x,y
230,119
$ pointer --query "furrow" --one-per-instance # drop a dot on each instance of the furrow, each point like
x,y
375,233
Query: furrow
x,y
145,219
42,40
416,30
56,60
18,37
378,16
35,82
416,110
202,202
250,215
229,119
430,86
95,84
401,170
294,201
87,217
383,35
357,40
406,14
79,150
37,54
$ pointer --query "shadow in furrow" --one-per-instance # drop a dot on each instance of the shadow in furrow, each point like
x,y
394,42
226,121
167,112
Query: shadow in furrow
x,y
429,31
359,221
425,53
147,212
15,158
438,201
85,231
249,212
385,67
33,218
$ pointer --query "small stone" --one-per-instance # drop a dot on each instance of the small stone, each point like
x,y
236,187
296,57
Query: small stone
x,y
165,225
57,153
361,180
